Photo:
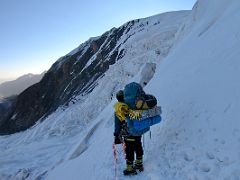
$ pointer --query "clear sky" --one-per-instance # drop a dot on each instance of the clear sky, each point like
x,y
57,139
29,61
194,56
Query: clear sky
x,y
35,33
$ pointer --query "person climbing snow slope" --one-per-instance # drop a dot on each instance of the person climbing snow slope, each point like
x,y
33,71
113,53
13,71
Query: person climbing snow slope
x,y
132,101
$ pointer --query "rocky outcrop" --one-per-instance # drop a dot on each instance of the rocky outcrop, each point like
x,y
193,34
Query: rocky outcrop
x,y
73,74
5,108
78,73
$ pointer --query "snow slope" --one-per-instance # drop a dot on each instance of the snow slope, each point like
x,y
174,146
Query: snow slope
x,y
68,132
197,86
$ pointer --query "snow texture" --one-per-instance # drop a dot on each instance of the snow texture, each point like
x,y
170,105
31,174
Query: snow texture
x,y
196,85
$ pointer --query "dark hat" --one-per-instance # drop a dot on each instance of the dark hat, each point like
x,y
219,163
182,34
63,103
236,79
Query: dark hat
x,y
120,96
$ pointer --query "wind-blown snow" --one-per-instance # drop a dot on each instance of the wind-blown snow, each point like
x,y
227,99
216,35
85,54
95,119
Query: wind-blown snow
x,y
196,85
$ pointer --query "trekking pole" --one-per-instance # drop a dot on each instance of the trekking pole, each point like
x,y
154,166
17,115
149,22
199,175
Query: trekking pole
x,y
143,142
115,161
124,149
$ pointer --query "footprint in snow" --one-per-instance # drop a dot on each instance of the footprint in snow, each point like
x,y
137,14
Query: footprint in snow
x,y
223,142
187,157
210,155
224,160
220,141
205,167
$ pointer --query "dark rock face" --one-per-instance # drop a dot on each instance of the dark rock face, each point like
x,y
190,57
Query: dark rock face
x,y
73,74
5,107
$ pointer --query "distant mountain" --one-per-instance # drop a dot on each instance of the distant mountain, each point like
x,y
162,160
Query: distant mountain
x,y
76,75
17,86
195,60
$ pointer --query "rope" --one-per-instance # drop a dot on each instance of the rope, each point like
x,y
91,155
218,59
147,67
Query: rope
x,y
143,142
115,162
124,149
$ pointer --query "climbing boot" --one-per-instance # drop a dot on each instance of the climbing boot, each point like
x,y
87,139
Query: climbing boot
x,y
138,164
130,170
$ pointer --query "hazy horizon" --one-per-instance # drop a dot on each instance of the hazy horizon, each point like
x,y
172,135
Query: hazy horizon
x,y
35,34
2,80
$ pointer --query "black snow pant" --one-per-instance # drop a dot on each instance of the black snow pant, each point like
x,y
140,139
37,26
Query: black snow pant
x,y
133,145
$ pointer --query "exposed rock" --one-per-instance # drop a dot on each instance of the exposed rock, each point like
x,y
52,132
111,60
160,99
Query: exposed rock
x,y
72,75
77,73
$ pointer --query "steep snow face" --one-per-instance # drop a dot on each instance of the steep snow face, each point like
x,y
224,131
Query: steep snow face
x,y
145,43
197,86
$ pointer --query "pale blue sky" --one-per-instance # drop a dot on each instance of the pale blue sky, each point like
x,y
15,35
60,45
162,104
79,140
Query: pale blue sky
x,y
35,33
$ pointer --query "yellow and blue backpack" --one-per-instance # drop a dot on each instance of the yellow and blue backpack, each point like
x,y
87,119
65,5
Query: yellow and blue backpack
x,y
143,109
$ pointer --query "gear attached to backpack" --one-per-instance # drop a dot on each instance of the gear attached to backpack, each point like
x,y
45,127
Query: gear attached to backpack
x,y
121,110
143,110
135,114
136,98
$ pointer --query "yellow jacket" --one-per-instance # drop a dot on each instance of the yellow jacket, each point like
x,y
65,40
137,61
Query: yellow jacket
x,y
121,110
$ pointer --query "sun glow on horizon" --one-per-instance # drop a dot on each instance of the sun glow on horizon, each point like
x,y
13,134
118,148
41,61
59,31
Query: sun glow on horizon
x,y
32,45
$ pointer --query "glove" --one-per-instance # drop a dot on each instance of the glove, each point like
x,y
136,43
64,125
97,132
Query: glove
x,y
117,140
135,114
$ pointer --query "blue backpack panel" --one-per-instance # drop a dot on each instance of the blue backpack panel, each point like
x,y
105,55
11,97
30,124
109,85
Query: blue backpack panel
x,y
145,123
134,131
137,127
